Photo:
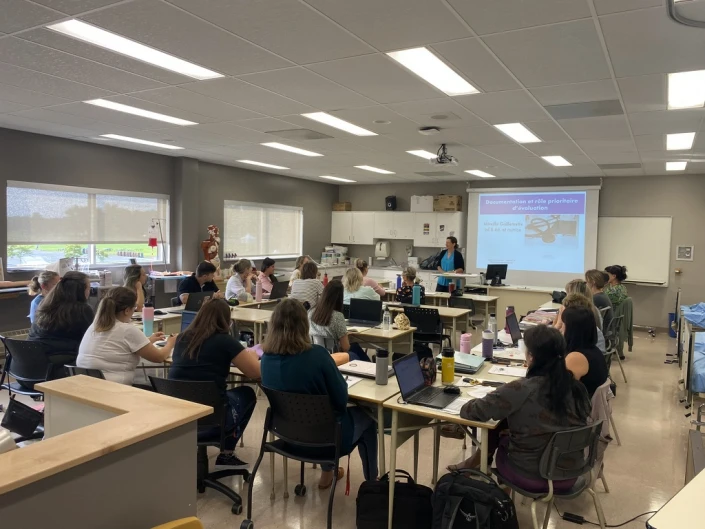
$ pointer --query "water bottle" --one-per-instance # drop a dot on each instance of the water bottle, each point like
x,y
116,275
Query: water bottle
x,y
148,319
487,344
465,345
509,310
398,282
325,279
493,326
447,366
382,367
416,294
386,319
258,291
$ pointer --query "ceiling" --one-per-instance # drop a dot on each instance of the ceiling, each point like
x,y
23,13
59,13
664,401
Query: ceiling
x,y
282,58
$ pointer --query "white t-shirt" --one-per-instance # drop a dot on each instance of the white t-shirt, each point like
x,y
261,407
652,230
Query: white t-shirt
x,y
114,352
307,290
363,292
234,287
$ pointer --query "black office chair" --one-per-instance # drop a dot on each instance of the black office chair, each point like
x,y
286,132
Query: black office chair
x,y
307,430
29,363
74,370
429,328
208,394
612,344
176,302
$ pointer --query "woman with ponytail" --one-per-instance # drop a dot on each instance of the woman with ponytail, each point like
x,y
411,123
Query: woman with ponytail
x,y
532,409
114,345
39,287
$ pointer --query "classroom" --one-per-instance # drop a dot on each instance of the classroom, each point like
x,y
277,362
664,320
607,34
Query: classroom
x,y
423,264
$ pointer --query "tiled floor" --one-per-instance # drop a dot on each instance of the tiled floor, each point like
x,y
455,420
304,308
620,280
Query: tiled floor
x,y
642,474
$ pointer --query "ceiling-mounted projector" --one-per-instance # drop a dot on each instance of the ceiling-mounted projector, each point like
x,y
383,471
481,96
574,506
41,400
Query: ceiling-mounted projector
x,y
443,158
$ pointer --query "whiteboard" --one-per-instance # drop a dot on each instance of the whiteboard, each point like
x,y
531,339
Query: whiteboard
x,y
642,244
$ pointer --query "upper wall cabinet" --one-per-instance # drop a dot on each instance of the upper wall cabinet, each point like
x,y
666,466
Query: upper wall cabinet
x,y
393,225
431,229
352,227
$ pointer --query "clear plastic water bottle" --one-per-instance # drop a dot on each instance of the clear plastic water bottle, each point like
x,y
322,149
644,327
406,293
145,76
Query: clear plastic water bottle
x,y
493,326
387,319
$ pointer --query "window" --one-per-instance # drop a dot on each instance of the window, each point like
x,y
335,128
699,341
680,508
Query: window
x,y
47,222
257,231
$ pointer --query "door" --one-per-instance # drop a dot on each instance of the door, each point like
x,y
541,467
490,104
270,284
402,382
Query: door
x,y
384,225
363,227
341,227
403,226
424,230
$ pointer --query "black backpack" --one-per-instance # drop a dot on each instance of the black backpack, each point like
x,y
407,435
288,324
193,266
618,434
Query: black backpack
x,y
412,504
431,262
469,499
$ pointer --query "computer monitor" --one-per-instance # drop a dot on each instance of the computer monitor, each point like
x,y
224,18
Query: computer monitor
x,y
496,272
365,311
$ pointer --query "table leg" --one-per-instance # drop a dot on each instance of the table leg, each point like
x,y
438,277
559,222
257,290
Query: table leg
x,y
271,463
484,446
416,455
380,434
436,452
390,346
392,466
453,338
411,343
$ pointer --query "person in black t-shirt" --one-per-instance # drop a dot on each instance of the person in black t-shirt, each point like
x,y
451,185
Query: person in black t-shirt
x,y
201,281
204,352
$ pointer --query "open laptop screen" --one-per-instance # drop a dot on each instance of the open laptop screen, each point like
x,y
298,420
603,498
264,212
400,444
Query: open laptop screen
x,y
409,375
514,329
366,310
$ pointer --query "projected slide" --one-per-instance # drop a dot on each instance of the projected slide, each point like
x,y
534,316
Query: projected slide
x,y
532,231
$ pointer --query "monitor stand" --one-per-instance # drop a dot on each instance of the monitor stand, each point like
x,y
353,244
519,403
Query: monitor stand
x,y
496,282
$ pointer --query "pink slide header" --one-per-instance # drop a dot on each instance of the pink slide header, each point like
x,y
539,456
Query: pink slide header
x,y
533,203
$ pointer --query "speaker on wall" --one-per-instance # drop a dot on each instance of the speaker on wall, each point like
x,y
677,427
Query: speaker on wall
x,y
391,203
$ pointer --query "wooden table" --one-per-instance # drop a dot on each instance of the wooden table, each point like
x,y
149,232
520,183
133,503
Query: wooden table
x,y
258,318
450,314
375,335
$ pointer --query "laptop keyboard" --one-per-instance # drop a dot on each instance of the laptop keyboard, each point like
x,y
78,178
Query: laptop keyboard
x,y
428,395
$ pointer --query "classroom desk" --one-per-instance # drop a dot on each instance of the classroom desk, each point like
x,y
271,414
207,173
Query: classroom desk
x,y
258,318
488,303
449,314
375,335
683,510
522,298
551,306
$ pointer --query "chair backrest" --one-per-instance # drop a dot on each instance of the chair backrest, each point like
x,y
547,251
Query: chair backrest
x,y
329,343
95,373
426,321
302,419
602,409
612,332
206,393
175,302
603,311
577,446
29,361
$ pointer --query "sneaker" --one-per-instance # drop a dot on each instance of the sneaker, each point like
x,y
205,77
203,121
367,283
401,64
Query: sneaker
x,y
230,461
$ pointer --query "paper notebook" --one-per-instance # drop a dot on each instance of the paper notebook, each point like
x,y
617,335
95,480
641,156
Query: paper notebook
x,y
508,371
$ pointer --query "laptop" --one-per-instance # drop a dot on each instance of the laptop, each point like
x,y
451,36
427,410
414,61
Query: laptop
x,y
196,299
514,329
466,364
413,389
366,312
279,290
187,317
357,368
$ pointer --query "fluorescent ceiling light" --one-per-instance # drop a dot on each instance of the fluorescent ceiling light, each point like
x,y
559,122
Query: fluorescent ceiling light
x,y
518,132
374,169
481,174
111,41
338,123
558,161
338,179
112,105
680,142
252,162
676,166
143,142
295,150
433,70
686,89
423,154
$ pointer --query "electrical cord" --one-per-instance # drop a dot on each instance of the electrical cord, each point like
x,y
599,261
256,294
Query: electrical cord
x,y
618,525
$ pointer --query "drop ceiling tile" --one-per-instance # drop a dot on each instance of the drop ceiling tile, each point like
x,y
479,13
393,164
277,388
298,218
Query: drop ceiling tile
x,y
543,171
507,153
174,31
645,93
608,127
15,122
667,121
278,25
54,62
264,124
16,15
605,7
576,93
582,170
624,157
552,55
60,118
477,136
549,148
647,41
308,87
503,107
431,112
650,142
10,106
506,15
73,7
471,59
177,97
377,77
394,24
611,146
247,96
547,130
52,39
48,84
28,97
232,132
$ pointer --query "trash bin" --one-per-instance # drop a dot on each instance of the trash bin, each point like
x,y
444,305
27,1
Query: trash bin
x,y
671,324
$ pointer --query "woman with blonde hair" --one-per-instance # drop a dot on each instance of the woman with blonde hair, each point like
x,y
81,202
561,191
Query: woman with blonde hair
x,y
578,286
405,293
39,287
241,281
362,266
114,344
135,278
298,268
353,282
291,363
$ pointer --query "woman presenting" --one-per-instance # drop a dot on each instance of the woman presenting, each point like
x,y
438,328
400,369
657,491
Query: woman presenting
x,y
451,260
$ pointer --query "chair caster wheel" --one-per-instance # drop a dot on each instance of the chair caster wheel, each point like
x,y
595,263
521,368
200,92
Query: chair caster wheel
x,y
236,508
300,490
247,524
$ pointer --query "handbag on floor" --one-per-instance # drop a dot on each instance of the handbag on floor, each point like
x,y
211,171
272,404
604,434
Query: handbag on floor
x,y
470,499
20,418
412,504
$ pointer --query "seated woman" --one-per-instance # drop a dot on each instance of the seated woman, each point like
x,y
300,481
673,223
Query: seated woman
x,y
596,281
584,359
615,290
135,278
240,281
405,293
291,363
578,286
39,287
114,344
579,301
354,287
64,316
204,352
362,266
328,323
266,277
298,268
548,400
309,288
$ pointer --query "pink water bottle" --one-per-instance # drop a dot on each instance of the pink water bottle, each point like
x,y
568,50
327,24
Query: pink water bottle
x,y
258,291
465,343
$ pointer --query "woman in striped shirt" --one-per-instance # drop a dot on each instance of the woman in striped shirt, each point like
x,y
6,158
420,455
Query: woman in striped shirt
x,y
308,288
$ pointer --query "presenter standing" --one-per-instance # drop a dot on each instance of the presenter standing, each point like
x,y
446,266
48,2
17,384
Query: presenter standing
x,y
451,260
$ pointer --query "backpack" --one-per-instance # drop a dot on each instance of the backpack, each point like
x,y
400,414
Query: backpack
x,y
470,499
431,262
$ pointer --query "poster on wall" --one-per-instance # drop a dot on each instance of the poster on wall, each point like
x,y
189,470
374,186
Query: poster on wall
x,y
684,253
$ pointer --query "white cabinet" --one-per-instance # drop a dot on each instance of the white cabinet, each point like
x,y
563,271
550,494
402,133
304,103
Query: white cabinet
x,y
403,225
431,229
341,227
424,228
363,227
427,230
393,225
384,225
450,224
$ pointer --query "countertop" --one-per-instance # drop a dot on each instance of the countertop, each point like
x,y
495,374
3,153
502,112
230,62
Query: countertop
x,y
140,415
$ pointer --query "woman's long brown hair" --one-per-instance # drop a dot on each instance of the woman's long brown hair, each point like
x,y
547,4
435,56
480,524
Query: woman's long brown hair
x,y
331,300
117,300
213,318
65,304
288,330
